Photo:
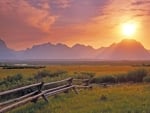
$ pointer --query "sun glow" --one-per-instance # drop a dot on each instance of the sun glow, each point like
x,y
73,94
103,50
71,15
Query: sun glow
x,y
129,29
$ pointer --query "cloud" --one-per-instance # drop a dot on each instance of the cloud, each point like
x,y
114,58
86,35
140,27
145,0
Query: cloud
x,y
141,7
80,11
63,3
141,2
23,23
97,20
36,17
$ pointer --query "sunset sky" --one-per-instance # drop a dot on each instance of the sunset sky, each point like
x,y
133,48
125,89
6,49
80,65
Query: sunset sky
x,y
24,23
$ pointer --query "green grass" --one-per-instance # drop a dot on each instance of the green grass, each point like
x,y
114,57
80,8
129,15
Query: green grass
x,y
72,70
124,98
118,99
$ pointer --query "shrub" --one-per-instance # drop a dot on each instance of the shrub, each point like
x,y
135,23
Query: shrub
x,y
146,79
57,73
84,75
41,74
121,78
44,73
104,79
136,75
13,79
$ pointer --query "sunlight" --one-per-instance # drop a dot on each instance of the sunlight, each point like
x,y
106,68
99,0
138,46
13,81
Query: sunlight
x,y
129,29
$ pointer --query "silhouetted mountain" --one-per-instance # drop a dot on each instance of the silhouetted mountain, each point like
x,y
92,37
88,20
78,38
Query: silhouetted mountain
x,y
5,52
127,49
82,51
58,51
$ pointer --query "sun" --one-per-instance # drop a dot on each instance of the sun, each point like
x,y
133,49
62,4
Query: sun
x,y
129,29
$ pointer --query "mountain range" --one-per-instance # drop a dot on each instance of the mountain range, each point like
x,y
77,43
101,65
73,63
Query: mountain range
x,y
127,49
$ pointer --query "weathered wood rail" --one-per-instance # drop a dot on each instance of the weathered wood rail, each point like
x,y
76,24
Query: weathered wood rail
x,y
40,90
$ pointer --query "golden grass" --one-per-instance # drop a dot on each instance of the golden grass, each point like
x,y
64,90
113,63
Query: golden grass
x,y
118,99
97,69
124,98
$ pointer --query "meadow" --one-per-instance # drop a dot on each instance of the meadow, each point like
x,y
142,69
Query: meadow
x,y
97,69
126,97
117,99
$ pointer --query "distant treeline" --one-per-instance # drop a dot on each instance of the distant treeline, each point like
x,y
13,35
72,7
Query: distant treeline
x,y
144,65
21,66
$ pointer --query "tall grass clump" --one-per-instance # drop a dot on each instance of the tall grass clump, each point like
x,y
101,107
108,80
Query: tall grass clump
x,y
104,79
11,80
121,78
136,75
147,78
41,74
83,75
49,74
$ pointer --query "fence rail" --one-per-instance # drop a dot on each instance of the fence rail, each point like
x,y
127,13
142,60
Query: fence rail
x,y
42,90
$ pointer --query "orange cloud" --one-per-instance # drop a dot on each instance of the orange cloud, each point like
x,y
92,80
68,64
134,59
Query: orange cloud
x,y
100,30
91,22
63,3
40,18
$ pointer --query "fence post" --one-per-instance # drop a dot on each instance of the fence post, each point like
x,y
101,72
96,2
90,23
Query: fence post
x,y
39,91
87,82
70,82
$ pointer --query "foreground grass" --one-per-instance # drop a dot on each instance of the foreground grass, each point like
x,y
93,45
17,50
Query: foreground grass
x,y
116,99
125,98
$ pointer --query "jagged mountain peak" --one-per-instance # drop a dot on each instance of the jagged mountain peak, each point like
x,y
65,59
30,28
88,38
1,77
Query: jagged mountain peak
x,y
130,42
2,43
42,45
82,46
5,52
127,49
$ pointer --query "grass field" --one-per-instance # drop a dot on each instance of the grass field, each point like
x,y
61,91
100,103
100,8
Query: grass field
x,y
123,98
97,69
117,99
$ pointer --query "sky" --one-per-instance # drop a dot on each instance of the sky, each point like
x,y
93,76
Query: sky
x,y
24,23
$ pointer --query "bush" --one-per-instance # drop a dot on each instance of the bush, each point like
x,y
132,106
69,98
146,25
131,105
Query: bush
x,y
121,78
41,74
12,79
136,75
104,79
57,73
44,73
83,75
146,79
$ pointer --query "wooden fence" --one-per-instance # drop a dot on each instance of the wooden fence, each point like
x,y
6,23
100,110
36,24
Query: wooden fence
x,y
39,90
